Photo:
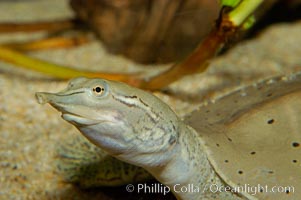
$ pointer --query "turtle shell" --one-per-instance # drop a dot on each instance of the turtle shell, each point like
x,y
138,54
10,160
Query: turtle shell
x,y
253,137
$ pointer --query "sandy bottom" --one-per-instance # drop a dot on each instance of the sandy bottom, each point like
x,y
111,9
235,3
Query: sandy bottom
x,y
29,132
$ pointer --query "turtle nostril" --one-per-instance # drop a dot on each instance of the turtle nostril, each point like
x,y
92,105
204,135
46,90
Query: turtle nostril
x,y
41,97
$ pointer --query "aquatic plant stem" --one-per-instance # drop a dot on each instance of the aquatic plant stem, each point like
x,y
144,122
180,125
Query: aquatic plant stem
x,y
38,26
243,10
198,61
51,69
48,43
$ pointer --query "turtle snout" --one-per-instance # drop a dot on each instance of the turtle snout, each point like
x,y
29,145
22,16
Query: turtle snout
x,y
41,97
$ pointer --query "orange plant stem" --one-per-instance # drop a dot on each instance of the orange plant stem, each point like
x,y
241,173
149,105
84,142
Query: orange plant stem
x,y
37,26
48,43
198,61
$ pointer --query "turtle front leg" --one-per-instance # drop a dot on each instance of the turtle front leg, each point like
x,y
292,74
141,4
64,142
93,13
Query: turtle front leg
x,y
81,162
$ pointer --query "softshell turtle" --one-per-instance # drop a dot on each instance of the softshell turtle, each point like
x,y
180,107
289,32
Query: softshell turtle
x,y
247,142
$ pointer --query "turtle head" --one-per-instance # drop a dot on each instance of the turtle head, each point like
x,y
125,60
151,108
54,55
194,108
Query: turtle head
x,y
126,122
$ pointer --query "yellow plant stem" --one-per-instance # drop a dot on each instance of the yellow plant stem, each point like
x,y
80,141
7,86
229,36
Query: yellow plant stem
x,y
57,71
48,43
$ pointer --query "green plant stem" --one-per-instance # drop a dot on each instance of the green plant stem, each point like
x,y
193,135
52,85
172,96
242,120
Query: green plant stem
x,y
246,8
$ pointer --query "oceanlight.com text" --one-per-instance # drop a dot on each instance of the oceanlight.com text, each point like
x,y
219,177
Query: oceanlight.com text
x,y
214,188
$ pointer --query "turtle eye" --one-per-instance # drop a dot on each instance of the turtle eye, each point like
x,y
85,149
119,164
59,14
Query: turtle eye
x,y
98,90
